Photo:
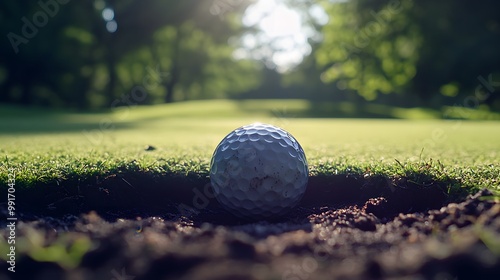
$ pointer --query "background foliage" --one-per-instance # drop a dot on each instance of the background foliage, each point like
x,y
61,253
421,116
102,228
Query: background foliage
x,y
403,53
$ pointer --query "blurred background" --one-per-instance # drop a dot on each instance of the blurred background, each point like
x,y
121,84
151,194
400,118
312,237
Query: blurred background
x,y
354,58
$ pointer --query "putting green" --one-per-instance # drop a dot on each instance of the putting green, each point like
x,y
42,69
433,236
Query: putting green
x,y
53,146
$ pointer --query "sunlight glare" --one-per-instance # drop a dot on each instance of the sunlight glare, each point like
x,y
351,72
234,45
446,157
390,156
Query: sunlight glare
x,y
282,42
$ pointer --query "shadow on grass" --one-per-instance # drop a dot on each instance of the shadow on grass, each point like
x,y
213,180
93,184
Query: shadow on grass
x,y
329,109
57,124
37,120
52,126
18,120
175,196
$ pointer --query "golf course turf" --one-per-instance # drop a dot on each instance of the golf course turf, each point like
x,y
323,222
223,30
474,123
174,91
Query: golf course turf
x,y
104,193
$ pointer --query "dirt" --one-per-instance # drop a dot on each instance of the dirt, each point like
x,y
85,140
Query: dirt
x,y
401,234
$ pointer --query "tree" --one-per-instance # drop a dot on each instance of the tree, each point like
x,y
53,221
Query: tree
x,y
461,41
425,48
199,72
70,58
369,47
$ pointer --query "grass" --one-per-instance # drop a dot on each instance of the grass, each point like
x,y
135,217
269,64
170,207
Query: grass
x,y
63,148
61,154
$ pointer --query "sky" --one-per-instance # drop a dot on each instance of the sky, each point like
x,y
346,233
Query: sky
x,y
283,40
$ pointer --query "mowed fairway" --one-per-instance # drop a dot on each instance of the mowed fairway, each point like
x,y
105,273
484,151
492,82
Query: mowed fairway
x,y
46,147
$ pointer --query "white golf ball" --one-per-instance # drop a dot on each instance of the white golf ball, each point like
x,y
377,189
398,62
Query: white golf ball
x,y
259,171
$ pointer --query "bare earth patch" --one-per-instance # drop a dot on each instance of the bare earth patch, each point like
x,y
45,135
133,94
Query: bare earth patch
x,y
365,240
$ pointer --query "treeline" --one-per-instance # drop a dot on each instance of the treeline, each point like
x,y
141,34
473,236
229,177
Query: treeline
x,y
93,53
440,52
90,54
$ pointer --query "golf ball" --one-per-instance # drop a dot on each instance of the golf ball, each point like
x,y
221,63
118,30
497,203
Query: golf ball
x,y
259,171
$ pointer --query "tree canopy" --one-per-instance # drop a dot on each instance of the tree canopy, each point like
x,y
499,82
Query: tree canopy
x,y
90,54
64,53
420,48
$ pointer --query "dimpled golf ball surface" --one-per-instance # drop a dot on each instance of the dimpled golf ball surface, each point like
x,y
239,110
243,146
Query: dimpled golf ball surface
x,y
259,171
